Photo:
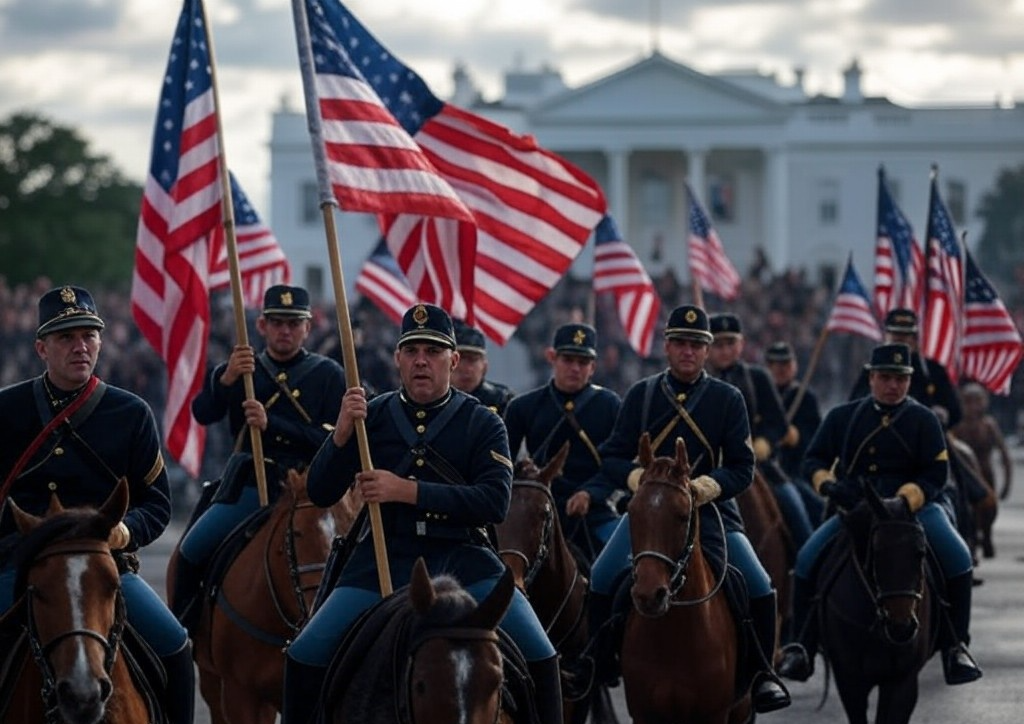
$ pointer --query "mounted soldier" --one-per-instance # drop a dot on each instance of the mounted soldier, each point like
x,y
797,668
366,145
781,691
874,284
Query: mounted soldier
x,y
470,375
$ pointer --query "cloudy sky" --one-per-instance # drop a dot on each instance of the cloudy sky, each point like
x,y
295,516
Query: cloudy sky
x,y
97,64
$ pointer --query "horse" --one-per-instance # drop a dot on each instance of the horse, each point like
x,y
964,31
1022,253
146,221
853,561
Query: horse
x,y
680,648
428,654
878,627
265,597
74,612
533,546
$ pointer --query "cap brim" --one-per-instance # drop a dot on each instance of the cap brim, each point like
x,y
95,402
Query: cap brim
x,y
79,320
695,335
578,351
902,330
897,369
471,348
426,336
284,312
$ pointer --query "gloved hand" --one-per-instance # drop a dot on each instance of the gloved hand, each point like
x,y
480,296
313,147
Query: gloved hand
x,y
705,489
898,507
843,493
119,537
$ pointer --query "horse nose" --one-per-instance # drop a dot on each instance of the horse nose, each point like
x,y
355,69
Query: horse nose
x,y
82,702
653,604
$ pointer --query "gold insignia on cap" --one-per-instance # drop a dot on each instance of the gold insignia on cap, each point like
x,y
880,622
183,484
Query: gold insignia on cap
x,y
67,295
897,357
580,337
420,315
286,299
690,316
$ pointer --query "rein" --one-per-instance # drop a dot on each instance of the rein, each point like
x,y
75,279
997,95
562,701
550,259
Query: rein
x,y
41,651
295,569
679,566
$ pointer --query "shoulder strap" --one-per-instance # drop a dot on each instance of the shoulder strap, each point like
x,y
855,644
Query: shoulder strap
x,y
413,441
861,408
296,373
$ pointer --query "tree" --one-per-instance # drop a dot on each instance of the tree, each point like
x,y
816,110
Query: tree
x,y
65,212
1001,246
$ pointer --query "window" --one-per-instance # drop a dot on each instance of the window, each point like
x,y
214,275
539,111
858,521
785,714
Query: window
x,y
722,198
956,201
828,202
309,200
315,282
655,198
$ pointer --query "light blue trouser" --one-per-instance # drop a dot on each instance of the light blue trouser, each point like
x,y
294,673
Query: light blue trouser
x,y
953,554
214,525
617,557
146,612
791,505
318,641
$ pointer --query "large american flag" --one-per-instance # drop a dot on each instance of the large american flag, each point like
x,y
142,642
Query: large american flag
x,y
851,310
944,292
180,248
899,260
991,347
383,283
532,212
709,265
617,270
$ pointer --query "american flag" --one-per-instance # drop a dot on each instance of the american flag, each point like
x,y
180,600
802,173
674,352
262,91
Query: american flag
x,y
991,348
944,293
383,283
851,310
899,260
617,270
532,212
709,266
261,261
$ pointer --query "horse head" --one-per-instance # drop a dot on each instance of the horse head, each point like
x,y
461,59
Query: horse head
x,y
75,608
663,528
895,566
455,669
527,535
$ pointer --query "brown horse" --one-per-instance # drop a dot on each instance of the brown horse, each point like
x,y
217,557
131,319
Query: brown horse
x,y
263,601
531,542
429,654
878,627
75,614
680,648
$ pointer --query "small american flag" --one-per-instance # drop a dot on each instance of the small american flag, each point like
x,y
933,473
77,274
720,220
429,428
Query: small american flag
x,y
851,310
617,270
383,283
532,211
709,265
991,348
943,317
899,260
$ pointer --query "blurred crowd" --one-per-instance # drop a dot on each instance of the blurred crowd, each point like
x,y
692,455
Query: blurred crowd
x,y
785,306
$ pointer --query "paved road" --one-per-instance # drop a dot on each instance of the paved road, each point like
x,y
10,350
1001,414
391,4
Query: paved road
x,y
998,631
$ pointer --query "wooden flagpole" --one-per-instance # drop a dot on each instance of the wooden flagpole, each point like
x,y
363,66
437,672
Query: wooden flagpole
x,y
238,304
348,348
808,373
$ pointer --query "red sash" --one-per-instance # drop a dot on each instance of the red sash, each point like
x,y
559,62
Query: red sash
x,y
58,419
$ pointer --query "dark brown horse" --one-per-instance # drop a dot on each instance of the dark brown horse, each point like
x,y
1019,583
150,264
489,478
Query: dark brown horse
x,y
877,620
75,615
429,654
261,604
680,651
533,546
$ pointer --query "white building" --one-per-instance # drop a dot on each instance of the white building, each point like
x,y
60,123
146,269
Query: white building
x,y
792,174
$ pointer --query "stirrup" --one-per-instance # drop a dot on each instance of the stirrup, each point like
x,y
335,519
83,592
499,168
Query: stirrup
x,y
797,664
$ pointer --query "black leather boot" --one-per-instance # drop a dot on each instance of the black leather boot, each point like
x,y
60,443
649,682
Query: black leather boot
x,y
187,604
798,657
179,699
958,665
303,686
767,691
547,683
603,646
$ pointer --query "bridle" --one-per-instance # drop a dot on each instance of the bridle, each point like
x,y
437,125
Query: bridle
x,y
679,566
867,573
295,569
41,651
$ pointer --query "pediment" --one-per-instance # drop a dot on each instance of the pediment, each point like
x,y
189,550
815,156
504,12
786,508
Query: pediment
x,y
658,90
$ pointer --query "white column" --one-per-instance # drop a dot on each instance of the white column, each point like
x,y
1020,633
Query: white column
x,y
696,176
776,207
618,187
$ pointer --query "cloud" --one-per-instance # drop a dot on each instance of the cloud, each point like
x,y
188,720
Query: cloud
x,y
28,21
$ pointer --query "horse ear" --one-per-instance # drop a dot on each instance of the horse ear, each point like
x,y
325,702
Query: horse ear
x,y
421,588
296,481
24,521
116,504
55,507
682,458
554,467
492,609
646,454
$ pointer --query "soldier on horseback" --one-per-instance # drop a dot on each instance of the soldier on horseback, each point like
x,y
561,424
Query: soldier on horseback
x,y
297,393
470,375
69,434
443,475
569,408
708,414
893,443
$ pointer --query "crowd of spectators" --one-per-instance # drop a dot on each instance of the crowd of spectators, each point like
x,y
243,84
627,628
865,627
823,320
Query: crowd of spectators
x,y
781,306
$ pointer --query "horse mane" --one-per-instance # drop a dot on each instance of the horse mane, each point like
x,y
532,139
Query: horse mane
x,y
71,524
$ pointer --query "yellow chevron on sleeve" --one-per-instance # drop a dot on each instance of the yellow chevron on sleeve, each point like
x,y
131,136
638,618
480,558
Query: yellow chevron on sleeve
x,y
501,459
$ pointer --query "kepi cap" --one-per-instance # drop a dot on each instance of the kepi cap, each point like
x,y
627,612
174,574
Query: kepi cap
x,y
890,358
469,339
725,324
578,339
778,352
427,323
66,308
901,321
688,322
282,300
